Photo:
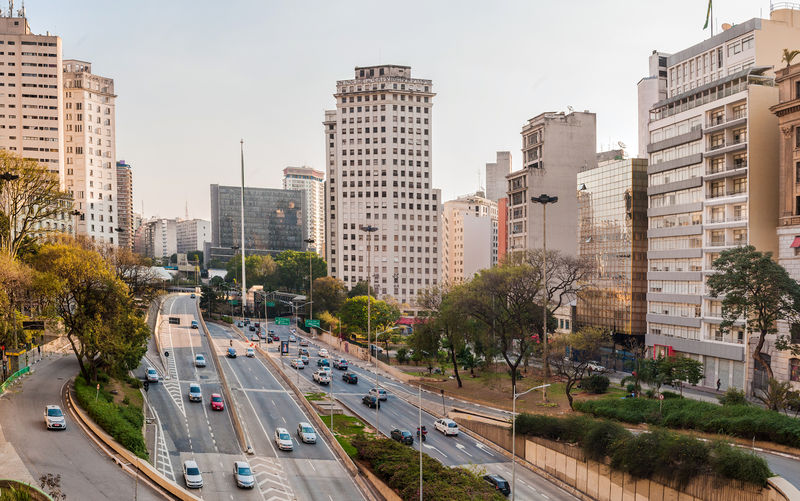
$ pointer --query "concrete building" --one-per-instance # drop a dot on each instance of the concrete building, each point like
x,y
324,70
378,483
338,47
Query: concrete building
x,y
90,142
713,167
313,183
125,204
469,237
378,163
555,147
157,238
502,229
650,89
612,226
496,173
192,234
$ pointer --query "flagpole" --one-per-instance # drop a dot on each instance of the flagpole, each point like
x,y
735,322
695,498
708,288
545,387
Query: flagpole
x,y
711,7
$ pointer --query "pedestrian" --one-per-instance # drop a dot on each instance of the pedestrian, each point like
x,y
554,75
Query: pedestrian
x,y
719,383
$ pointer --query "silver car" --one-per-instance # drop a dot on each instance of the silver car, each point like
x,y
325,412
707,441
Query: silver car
x,y
199,360
54,418
283,439
195,393
191,474
243,475
306,433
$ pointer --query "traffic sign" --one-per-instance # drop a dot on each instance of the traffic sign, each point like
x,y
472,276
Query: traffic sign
x,y
284,347
271,304
660,396
175,320
282,321
312,323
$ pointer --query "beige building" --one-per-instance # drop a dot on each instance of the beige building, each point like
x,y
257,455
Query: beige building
x,y
312,182
555,147
90,154
378,163
469,237
192,234
125,204
713,167
496,173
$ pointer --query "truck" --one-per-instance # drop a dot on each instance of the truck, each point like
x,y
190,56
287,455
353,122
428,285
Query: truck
x,y
322,377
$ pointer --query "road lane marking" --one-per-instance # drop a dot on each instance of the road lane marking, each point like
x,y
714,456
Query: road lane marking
x,y
463,449
434,448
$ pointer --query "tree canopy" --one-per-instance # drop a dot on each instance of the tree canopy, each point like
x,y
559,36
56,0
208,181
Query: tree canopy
x,y
354,313
293,269
584,347
329,294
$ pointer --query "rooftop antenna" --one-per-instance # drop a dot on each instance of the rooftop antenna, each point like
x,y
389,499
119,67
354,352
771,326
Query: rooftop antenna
x,y
10,8
22,12
187,209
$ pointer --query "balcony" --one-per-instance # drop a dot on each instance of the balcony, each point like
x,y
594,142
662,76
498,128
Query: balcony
x,y
734,242
724,220
719,123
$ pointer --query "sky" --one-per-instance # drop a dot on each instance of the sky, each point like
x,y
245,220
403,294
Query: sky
x,y
195,77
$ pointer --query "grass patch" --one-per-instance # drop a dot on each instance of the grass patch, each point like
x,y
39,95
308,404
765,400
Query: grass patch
x,y
316,396
345,429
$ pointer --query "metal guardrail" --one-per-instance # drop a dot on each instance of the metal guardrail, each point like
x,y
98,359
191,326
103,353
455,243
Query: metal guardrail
x,y
13,377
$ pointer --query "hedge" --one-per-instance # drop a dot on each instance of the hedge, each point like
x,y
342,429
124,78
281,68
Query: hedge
x,y
660,455
398,466
743,421
124,423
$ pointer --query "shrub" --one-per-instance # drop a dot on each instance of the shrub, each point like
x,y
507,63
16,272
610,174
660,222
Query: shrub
x,y
601,437
126,400
733,396
670,394
630,388
227,319
402,355
596,383
733,462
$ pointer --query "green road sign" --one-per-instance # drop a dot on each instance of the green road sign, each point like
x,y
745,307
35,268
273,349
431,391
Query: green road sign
x,y
312,323
282,321
271,303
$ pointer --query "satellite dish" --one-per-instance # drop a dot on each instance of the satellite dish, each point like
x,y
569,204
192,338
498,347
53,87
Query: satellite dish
x,y
621,144
570,108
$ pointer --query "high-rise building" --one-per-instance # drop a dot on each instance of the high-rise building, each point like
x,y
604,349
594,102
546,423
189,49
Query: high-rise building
x,y
125,204
650,89
192,234
469,237
90,142
713,171
378,163
157,238
612,233
496,176
313,183
555,147
275,221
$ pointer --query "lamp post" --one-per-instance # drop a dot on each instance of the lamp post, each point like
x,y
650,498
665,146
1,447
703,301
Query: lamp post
x,y
235,248
370,230
544,200
310,279
514,435
76,213
244,277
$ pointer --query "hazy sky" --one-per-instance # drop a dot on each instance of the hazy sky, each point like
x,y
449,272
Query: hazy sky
x,y
193,77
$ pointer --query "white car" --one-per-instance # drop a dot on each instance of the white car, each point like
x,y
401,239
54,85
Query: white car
x,y
54,418
306,433
191,475
250,352
199,360
152,375
446,426
292,339
322,377
243,475
595,366
322,353
283,439
297,363
379,392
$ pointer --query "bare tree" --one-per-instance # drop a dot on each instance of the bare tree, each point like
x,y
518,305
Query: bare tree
x,y
584,346
144,283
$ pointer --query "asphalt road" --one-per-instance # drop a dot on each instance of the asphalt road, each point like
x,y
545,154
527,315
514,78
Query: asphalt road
x,y
86,471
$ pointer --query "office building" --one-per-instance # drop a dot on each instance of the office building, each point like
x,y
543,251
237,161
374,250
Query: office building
x,y
378,165
469,237
313,183
713,171
157,238
125,204
192,234
274,219
90,150
612,234
555,147
496,173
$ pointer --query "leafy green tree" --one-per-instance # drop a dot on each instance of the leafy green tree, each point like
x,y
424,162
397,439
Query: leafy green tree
x,y
17,285
679,370
209,298
778,396
466,359
354,313
195,256
329,294
293,269
360,289
584,345
401,355
144,283
758,290
259,269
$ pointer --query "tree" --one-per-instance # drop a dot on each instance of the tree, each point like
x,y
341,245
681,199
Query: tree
x,y
259,269
293,269
354,313
16,283
788,56
639,351
31,202
401,355
142,280
360,289
758,290
778,395
329,294
679,370
195,256
209,298
584,345
329,322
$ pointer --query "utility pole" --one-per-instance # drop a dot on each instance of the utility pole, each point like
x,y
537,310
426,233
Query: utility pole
x,y
310,280
370,230
544,200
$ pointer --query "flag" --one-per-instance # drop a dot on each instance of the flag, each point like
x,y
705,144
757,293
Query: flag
x,y
708,15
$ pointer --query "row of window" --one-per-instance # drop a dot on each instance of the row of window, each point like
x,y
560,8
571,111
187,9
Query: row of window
x,y
677,264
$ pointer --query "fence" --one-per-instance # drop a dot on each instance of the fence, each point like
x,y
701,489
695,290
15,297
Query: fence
x,y
12,378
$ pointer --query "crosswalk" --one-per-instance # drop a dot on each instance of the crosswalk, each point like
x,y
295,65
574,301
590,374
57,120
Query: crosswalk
x,y
163,463
271,479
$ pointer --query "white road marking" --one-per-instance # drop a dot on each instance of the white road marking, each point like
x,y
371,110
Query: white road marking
x,y
463,449
434,448
483,448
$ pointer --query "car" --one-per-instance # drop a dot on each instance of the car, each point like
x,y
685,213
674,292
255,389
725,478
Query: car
x,y
292,338
322,353
257,324
231,352
327,370
195,393
269,340
322,377
275,337
306,433
283,439
152,375
446,426
193,296
191,474
303,351
297,363
402,436
239,324
595,366
247,321
254,338
252,328
199,360
250,352
243,475
303,342
194,324
499,483
271,331
54,418
341,364
371,401
375,349
323,362
305,359
294,331
350,377
262,335
379,392
217,404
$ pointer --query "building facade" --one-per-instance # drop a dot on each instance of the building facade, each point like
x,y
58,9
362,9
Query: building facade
x,y
90,150
378,163
713,167
125,204
612,226
496,173
313,183
555,147
192,234
469,237
157,238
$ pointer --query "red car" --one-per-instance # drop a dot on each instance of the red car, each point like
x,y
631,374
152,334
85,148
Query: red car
x,y
216,402
275,337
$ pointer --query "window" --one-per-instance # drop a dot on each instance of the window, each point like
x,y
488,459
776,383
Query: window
x,y
739,185
794,369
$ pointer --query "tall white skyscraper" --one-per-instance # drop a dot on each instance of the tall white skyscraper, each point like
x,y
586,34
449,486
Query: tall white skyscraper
x,y
378,162
313,183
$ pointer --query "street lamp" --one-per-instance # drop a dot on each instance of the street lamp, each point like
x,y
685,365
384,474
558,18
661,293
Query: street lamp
x,y
369,229
76,213
514,435
544,200
310,279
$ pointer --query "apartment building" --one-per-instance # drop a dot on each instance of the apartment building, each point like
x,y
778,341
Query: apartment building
x,y
192,234
713,171
378,163
125,205
157,238
312,182
555,147
496,173
90,171
469,237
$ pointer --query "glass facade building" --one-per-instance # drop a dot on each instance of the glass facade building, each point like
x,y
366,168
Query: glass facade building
x,y
612,232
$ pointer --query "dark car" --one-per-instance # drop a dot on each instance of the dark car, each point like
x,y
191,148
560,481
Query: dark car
x,y
257,324
499,483
252,328
262,335
231,352
323,362
402,436
371,401
350,377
